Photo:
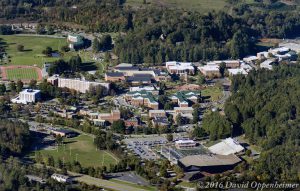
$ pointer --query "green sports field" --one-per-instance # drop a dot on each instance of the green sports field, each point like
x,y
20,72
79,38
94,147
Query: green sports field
x,y
21,73
82,147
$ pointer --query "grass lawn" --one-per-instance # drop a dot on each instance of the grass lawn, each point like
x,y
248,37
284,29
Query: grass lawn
x,y
150,188
22,73
197,5
214,91
83,147
33,47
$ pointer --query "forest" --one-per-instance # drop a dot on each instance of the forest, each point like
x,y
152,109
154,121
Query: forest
x,y
14,137
163,34
265,106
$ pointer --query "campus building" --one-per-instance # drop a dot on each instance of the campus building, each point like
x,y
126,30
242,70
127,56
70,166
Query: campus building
x,y
140,98
185,144
209,163
185,98
180,68
210,70
226,147
27,96
75,41
79,85
114,76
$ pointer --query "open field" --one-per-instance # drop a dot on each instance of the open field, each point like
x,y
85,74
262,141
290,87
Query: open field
x,y
197,5
214,92
82,147
33,47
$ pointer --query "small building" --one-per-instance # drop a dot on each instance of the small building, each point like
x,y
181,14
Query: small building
x,y
157,113
267,64
63,132
61,178
236,71
75,41
27,96
210,163
114,76
228,63
185,144
160,121
132,122
211,71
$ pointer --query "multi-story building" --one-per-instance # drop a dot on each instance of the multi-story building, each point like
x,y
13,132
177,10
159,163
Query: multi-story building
x,y
157,113
186,112
185,98
27,96
210,70
228,63
140,98
180,68
79,85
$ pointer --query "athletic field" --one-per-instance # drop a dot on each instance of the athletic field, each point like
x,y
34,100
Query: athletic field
x,y
24,73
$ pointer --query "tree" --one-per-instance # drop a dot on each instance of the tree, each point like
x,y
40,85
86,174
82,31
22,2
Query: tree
x,y
106,43
96,45
222,68
20,47
170,137
216,125
32,84
118,126
179,119
19,86
196,114
12,86
48,51
2,89
75,63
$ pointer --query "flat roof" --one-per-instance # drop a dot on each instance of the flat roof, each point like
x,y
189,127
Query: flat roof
x,y
209,160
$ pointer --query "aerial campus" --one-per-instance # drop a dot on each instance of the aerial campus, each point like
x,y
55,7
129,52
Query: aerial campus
x,y
104,106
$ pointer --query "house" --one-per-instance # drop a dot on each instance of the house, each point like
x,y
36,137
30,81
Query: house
x,y
27,96
140,98
180,68
210,163
185,98
157,113
114,76
61,178
226,147
210,70
79,85
75,41
160,121
185,144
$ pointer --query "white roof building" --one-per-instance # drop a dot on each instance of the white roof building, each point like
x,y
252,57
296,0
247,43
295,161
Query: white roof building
x,y
291,45
249,59
180,67
226,147
27,96
267,64
236,71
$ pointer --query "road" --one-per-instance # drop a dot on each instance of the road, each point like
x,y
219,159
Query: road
x,y
103,183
